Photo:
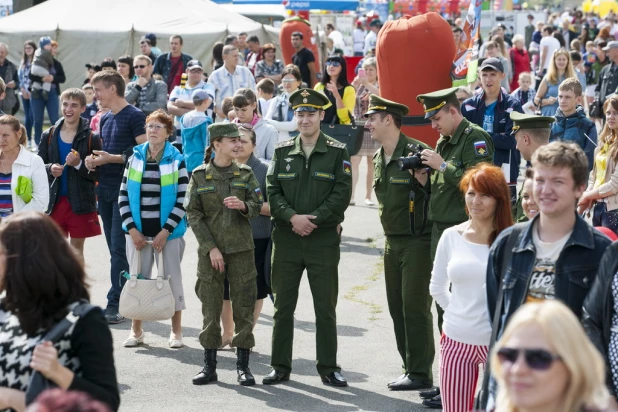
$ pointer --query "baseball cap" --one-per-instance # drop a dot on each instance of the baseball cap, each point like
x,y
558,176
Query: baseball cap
x,y
44,41
194,63
199,94
492,63
611,45
146,39
93,66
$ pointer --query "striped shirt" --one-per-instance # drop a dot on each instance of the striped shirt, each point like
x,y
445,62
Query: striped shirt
x,y
227,83
150,203
6,198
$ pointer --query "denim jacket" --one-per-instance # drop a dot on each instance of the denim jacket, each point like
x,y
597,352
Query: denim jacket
x,y
576,269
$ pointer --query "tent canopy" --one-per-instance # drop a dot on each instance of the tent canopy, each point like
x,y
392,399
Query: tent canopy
x,y
91,30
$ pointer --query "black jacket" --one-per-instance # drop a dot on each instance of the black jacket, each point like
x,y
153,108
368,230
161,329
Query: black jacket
x,y
599,308
608,82
82,196
59,77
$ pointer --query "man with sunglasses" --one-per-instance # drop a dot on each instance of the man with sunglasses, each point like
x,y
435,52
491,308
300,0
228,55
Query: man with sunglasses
x,y
554,256
146,93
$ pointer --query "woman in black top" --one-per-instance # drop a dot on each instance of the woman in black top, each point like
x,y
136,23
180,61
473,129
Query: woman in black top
x,y
42,275
340,92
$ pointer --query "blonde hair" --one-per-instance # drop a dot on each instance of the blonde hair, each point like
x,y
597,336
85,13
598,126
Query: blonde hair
x,y
552,71
565,335
607,135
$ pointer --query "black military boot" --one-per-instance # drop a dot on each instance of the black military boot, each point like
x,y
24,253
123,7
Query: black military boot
x,y
209,373
245,378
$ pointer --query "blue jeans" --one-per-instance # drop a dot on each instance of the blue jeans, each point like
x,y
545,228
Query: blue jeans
x,y
38,111
28,116
115,237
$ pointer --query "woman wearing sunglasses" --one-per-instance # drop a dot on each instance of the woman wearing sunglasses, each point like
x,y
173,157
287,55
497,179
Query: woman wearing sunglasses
x,y
340,92
457,284
544,362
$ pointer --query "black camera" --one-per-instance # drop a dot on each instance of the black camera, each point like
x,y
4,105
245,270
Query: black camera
x,y
411,162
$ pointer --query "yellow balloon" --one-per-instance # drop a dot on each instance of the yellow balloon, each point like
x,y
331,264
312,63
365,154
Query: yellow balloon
x,y
525,5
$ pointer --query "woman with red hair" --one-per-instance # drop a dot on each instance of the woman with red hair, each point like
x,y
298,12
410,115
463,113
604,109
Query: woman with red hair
x,y
457,284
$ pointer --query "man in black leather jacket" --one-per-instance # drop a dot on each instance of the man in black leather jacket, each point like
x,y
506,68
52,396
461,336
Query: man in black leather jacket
x,y
599,309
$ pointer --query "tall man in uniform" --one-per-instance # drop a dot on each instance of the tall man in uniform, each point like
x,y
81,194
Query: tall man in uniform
x,y
309,185
407,261
530,132
461,146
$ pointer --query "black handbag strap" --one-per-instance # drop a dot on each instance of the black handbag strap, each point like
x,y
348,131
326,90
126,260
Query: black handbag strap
x,y
76,310
506,258
336,117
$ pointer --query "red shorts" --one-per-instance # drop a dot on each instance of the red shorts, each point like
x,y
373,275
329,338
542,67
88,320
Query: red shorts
x,y
75,226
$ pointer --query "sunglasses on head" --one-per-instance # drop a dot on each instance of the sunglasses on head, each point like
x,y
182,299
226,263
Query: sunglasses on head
x,y
334,64
139,66
537,359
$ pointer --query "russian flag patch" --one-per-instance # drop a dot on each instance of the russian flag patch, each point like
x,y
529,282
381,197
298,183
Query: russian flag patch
x,y
480,148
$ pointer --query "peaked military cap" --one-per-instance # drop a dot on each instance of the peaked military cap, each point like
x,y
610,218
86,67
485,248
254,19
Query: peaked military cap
x,y
380,104
223,130
308,100
433,102
530,121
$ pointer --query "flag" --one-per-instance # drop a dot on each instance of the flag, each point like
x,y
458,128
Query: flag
x,y
467,55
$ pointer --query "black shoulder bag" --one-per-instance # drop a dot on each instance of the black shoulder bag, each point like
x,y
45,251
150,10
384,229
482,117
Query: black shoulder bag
x,y
39,383
349,134
483,395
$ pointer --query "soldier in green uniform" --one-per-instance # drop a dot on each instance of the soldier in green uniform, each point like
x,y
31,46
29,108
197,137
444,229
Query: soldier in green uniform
x,y
403,207
530,132
309,188
221,198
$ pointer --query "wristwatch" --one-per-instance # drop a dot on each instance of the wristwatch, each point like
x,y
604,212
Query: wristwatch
x,y
443,166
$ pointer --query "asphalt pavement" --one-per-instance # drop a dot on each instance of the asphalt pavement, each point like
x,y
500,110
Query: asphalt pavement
x,y
153,377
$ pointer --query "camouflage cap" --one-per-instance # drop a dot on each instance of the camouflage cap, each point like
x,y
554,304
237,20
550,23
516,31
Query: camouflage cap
x,y
530,121
216,130
308,100
380,104
434,101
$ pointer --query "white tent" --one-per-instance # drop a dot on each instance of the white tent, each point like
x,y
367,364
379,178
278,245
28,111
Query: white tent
x,y
91,30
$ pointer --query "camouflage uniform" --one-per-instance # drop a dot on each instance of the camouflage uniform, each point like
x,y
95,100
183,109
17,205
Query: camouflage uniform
x,y
216,226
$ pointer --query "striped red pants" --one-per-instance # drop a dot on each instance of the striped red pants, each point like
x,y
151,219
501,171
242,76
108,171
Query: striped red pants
x,y
459,373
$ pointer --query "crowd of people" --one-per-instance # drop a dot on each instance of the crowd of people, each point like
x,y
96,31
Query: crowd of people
x,y
153,145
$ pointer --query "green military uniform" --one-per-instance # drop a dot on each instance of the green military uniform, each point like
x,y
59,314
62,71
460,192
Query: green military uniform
x,y
468,146
407,261
216,226
318,184
526,122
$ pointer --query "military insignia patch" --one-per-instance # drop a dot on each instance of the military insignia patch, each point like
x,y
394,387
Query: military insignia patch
x,y
347,167
305,93
480,148
324,176
240,185
258,192
236,173
208,177
288,159
287,168
205,189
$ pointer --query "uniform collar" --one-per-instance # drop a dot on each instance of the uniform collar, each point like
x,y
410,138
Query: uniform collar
x,y
211,170
458,132
320,145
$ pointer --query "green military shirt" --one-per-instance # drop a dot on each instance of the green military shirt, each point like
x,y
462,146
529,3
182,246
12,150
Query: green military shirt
x,y
319,185
213,223
393,187
518,210
468,146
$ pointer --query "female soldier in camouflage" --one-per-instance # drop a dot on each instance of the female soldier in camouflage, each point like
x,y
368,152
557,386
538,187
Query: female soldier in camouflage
x,y
222,196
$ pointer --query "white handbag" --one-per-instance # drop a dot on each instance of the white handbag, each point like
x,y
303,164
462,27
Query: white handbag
x,y
147,299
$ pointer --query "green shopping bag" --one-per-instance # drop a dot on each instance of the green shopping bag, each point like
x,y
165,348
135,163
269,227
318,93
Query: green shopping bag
x,y
24,188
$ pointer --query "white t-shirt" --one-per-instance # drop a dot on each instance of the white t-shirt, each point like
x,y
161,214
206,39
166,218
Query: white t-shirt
x,y
462,265
358,35
370,42
552,45
542,283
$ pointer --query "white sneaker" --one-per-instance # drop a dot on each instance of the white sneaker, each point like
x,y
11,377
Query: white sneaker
x,y
176,341
132,341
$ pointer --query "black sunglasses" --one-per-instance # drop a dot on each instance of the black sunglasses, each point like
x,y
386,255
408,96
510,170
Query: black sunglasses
x,y
537,359
333,63
139,66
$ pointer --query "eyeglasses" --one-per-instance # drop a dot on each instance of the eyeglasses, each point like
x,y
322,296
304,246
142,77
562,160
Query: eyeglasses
x,y
139,66
155,127
537,359
288,80
334,64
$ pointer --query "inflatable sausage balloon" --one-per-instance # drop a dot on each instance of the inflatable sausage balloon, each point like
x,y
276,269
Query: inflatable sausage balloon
x,y
288,27
415,56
